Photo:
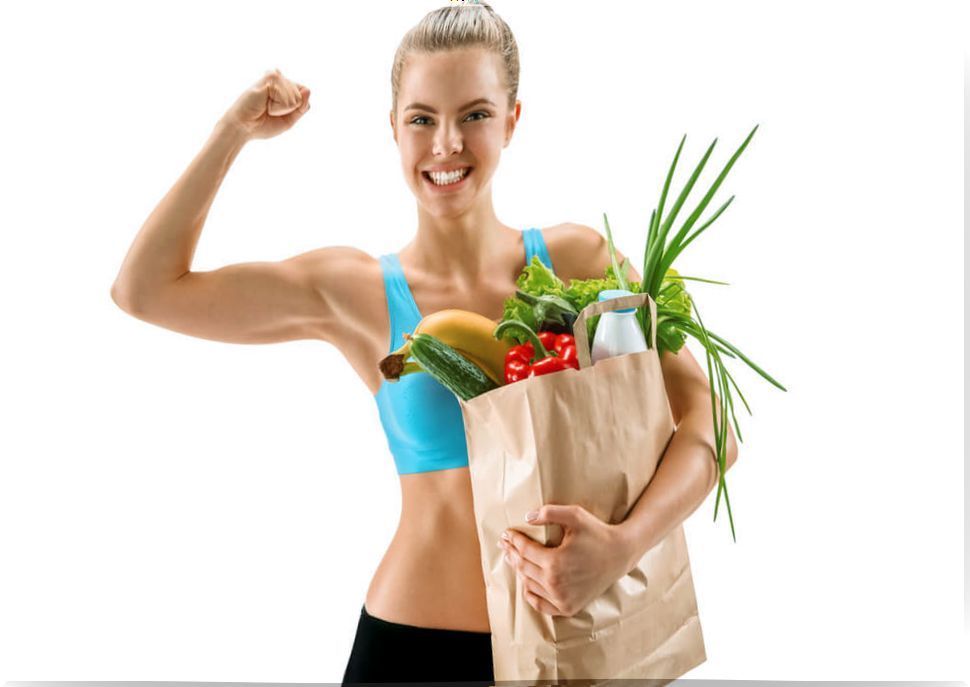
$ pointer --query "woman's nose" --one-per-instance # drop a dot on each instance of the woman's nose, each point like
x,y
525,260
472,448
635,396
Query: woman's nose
x,y
447,141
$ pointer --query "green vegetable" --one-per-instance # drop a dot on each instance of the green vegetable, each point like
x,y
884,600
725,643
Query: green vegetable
x,y
449,367
675,307
535,280
551,312
539,280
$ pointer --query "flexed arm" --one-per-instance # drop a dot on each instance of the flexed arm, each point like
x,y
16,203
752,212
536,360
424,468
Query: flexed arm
x,y
257,302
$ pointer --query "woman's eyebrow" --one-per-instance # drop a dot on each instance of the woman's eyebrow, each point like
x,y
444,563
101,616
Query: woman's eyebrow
x,y
428,108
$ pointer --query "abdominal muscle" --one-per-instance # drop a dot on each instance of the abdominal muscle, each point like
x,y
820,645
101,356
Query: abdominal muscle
x,y
431,575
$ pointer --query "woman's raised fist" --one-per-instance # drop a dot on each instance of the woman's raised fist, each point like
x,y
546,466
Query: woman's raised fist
x,y
271,106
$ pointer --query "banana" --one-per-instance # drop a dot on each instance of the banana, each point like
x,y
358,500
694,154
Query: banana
x,y
467,332
409,367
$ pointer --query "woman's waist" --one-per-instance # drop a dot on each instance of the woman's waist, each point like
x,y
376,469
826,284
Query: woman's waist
x,y
431,539
436,505
431,578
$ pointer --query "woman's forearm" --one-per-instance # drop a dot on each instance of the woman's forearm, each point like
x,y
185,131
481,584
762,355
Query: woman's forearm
x,y
162,250
685,476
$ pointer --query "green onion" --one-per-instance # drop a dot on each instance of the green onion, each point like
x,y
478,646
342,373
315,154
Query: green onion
x,y
658,257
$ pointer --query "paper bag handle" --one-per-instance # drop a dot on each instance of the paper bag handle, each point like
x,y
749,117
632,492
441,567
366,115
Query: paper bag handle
x,y
583,352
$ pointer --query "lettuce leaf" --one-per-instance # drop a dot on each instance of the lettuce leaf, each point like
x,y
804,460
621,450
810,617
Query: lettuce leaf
x,y
582,292
673,297
536,280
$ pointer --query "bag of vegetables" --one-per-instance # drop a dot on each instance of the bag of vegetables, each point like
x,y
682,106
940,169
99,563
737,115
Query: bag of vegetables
x,y
593,437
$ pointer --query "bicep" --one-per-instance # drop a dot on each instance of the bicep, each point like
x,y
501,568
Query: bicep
x,y
686,383
252,302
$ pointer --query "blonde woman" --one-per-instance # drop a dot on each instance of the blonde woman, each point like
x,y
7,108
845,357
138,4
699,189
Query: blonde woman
x,y
454,109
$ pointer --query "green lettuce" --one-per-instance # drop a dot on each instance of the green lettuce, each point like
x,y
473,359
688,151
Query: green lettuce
x,y
536,280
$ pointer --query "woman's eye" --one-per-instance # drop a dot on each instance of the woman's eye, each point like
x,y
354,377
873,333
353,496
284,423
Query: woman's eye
x,y
485,115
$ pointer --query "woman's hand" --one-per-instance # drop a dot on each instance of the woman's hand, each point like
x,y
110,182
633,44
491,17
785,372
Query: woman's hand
x,y
270,107
562,580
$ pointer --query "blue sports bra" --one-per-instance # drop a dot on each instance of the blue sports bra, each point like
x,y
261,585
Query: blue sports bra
x,y
421,418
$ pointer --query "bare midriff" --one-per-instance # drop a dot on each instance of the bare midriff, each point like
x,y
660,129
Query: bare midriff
x,y
431,575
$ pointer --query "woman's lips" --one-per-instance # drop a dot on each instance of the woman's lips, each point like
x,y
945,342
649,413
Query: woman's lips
x,y
449,187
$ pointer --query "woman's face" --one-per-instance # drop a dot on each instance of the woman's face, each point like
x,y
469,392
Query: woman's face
x,y
439,126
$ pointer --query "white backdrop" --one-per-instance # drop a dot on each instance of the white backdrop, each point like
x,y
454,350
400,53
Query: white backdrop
x,y
182,509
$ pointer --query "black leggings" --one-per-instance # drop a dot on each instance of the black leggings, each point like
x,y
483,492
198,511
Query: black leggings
x,y
386,652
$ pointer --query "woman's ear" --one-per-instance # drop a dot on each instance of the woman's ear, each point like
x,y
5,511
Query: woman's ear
x,y
511,121
393,125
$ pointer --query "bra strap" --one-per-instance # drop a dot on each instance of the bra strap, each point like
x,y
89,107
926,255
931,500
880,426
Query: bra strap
x,y
403,314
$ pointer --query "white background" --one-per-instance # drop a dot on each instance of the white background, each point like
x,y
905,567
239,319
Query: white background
x,y
182,509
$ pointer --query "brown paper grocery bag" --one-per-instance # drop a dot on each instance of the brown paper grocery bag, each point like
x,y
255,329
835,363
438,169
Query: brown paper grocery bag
x,y
592,437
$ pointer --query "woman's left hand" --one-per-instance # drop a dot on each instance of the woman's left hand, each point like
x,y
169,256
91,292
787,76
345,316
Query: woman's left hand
x,y
562,580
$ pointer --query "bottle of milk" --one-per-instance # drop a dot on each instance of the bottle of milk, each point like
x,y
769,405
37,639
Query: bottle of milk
x,y
618,331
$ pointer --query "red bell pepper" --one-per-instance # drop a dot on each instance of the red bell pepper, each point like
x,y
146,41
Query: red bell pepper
x,y
523,352
561,341
516,369
545,352
565,346
546,365
569,356
548,340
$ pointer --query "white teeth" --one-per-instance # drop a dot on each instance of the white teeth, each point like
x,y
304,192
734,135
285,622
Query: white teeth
x,y
443,179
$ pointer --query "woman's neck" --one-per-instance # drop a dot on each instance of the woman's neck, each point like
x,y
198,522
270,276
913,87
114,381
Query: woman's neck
x,y
459,250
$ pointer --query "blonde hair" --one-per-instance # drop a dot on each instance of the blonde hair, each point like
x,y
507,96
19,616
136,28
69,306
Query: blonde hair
x,y
460,25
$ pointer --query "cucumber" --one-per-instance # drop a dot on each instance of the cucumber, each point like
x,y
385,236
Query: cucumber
x,y
449,367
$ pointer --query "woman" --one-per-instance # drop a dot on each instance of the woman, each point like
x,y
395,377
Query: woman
x,y
454,108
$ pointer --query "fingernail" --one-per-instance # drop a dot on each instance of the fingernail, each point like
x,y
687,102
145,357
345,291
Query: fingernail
x,y
506,537
531,515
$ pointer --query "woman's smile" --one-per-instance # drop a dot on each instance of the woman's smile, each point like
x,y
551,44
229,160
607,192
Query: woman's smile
x,y
447,182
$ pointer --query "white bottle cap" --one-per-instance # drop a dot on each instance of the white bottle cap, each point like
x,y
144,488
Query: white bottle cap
x,y
609,294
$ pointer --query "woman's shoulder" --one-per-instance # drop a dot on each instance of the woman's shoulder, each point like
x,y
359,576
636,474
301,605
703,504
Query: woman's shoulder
x,y
578,251
572,236
337,267
349,279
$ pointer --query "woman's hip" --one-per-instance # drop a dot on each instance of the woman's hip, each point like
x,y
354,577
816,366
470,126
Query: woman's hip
x,y
390,652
